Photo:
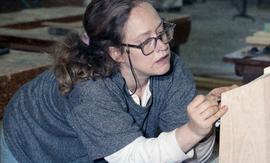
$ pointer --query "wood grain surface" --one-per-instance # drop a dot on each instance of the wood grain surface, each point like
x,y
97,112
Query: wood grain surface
x,y
245,128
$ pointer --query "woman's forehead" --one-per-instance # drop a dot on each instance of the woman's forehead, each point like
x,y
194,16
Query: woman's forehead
x,y
142,19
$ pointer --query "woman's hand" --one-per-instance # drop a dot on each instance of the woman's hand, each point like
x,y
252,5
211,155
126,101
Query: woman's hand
x,y
203,113
215,94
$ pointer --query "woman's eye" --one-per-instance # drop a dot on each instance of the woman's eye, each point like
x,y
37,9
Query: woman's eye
x,y
144,40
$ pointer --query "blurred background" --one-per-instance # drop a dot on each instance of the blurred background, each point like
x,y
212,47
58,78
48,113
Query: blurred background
x,y
223,42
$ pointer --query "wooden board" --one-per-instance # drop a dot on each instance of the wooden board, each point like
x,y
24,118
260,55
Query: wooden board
x,y
245,128
36,39
16,68
258,40
30,18
262,34
36,33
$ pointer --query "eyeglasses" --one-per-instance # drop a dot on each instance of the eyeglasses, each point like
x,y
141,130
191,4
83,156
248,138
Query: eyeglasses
x,y
148,46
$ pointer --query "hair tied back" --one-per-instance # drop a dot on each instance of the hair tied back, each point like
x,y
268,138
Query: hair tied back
x,y
85,39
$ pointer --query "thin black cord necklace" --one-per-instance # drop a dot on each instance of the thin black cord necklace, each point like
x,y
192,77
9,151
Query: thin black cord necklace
x,y
144,122
133,73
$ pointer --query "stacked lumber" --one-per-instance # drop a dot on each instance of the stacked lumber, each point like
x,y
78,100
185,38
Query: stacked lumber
x,y
260,38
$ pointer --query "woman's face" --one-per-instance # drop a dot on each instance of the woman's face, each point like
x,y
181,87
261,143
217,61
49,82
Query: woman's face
x,y
144,23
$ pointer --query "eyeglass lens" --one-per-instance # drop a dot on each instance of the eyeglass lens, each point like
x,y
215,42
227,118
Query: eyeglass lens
x,y
165,36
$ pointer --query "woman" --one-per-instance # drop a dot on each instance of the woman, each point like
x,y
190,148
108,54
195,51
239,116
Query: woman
x,y
119,96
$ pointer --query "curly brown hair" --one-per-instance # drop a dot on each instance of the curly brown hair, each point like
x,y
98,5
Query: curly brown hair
x,y
75,61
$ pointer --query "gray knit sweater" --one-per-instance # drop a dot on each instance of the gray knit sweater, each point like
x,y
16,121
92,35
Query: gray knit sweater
x,y
96,119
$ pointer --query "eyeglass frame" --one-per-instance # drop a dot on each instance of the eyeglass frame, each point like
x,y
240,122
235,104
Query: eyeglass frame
x,y
158,37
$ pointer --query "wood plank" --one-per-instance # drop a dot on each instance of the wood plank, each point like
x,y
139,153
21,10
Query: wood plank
x,y
30,18
245,128
37,39
262,34
36,33
77,24
258,40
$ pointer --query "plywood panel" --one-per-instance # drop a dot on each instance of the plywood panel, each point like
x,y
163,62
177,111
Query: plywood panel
x,y
245,129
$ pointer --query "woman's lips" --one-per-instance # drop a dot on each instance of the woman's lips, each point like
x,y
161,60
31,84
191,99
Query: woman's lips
x,y
164,58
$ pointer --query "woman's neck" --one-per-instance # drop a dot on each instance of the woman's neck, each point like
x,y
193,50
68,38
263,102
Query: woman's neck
x,y
131,83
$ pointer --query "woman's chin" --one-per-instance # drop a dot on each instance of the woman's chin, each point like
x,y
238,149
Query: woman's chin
x,y
162,70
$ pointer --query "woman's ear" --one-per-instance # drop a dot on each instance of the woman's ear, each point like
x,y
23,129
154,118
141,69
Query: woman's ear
x,y
116,54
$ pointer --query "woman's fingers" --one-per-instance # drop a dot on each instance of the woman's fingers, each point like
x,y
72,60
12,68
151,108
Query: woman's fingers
x,y
234,86
217,115
206,105
203,113
203,106
214,98
196,102
209,112
220,90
